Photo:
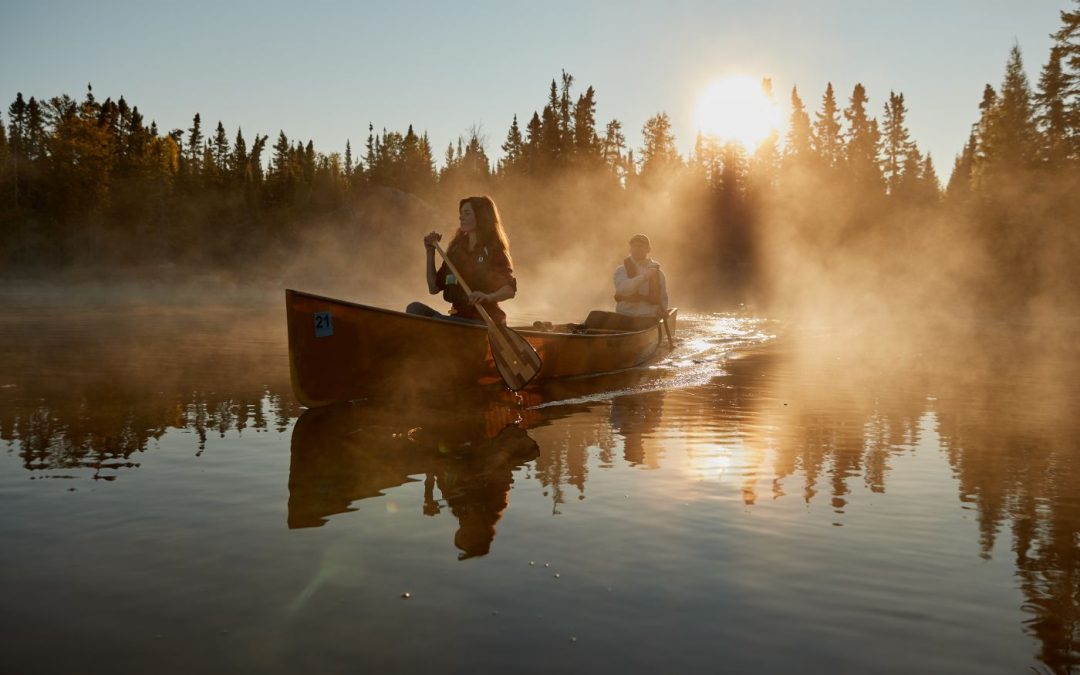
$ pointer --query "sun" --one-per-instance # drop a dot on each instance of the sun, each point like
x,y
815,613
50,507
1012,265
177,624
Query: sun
x,y
737,108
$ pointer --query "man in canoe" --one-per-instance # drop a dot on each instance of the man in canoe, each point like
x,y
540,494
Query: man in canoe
x,y
481,253
640,286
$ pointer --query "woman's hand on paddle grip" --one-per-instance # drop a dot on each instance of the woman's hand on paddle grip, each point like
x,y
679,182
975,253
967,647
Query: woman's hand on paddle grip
x,y
477,297
430,239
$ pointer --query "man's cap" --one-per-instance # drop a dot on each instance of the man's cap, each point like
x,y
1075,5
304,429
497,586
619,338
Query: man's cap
x,y
642,238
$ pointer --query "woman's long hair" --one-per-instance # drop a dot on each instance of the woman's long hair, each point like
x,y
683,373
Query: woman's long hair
x,y
489,227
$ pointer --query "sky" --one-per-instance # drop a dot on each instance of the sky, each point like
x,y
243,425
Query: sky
x,y
323,71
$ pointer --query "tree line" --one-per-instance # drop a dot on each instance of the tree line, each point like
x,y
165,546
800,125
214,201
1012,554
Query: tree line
x,y
91,180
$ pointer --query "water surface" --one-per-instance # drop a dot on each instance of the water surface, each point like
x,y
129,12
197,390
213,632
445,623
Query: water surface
x,y
762,498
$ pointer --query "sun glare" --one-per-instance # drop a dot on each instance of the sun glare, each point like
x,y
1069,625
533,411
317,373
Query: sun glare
x,y
737,108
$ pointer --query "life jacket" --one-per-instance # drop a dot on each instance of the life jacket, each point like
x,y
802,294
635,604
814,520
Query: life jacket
x,y
652,296
477,268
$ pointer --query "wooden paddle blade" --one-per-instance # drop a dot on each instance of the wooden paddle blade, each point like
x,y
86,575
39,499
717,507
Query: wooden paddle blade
x,y
517,361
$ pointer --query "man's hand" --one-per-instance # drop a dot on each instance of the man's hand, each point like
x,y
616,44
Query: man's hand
x,y
476,297
652,273
430,239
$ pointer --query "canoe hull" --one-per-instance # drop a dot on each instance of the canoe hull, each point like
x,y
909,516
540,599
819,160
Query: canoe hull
x,y
341,351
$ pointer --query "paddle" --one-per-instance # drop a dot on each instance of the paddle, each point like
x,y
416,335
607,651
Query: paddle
x,y
516,360
667,329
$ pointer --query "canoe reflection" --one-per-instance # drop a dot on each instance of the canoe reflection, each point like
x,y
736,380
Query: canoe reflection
x,y
344,454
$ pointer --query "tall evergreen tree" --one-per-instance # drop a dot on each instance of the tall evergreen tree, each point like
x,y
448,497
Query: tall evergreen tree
x,y
658,155
195,143
348,159
896,141
1011,139
1052,114
221,149
586,143
238,161
863,149
613,146
565,115
1068,39
799,146
513,148
828,141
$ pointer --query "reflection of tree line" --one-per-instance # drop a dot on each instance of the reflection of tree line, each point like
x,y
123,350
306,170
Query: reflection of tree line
x,y
93,392
1025,472
835,421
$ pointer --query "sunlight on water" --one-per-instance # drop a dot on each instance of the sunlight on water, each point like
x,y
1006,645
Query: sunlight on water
x,y
827,497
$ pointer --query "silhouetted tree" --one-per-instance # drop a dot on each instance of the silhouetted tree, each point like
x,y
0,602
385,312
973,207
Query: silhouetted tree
x,y
828,141
896,141
658,154
863,149
1052,113
513,149
799,147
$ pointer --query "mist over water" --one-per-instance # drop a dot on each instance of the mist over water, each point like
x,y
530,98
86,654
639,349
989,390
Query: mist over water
x,y
791,476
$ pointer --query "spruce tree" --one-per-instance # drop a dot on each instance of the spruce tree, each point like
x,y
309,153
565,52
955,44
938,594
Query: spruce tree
x,y
896,141
195,143
512,148
586,143
221,149
827,139
238,162
658,154
1011,135
863,149
1052,114
799,146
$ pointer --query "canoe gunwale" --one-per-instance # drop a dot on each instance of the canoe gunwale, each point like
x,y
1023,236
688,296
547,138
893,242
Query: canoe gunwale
x,y
468,326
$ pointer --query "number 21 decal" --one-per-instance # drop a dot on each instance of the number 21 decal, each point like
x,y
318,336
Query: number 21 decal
x,y
324,325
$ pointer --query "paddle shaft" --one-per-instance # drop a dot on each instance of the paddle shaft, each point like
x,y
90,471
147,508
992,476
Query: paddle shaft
x,y
667,329
464,286
515,359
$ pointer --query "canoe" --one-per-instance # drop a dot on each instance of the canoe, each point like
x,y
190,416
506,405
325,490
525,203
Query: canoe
x,y
342,351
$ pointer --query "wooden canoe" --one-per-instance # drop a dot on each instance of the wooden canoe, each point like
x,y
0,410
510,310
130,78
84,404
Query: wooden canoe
x,y
342,351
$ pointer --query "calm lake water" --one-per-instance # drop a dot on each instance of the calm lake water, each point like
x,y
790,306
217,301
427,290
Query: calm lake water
x,y
761,499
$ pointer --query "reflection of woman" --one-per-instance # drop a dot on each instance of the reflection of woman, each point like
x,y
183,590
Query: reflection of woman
x,y
481,253
478,490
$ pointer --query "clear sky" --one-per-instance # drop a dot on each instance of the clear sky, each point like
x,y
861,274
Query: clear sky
x,y
323,70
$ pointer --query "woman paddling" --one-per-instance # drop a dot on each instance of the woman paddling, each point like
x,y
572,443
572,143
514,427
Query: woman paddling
x,y
481,253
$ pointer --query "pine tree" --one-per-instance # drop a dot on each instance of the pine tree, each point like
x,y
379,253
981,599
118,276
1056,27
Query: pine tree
x,y
238,161
565,115
195,143
827,139
799,146
531,152
512,149
17,142
1068,39
1011,140
863,149
896,141
613,146
658,155
586,144
348,159
35,131
1052,115
221,149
